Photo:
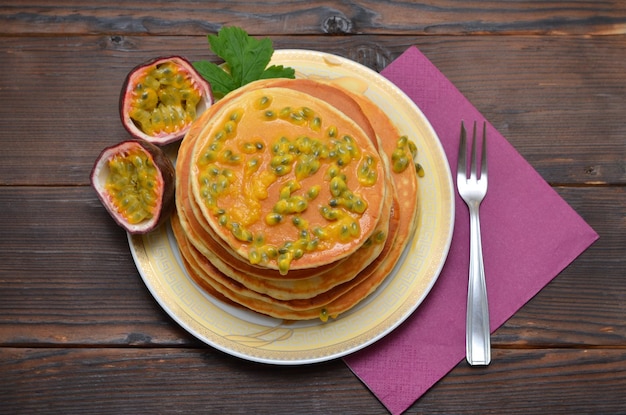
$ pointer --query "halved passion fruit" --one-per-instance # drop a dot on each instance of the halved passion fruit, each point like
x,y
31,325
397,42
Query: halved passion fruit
x,y
135,182
161,98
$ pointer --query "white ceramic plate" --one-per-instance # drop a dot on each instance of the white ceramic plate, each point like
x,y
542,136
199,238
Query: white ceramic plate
x,y
263,339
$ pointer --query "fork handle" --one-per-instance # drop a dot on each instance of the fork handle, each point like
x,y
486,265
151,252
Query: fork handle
x,y
477,341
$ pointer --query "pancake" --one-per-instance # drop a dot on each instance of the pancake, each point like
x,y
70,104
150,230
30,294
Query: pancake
x,y
318,280
331,279
277,173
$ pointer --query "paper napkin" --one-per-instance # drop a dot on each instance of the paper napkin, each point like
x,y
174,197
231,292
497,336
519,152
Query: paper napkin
x,y
529,235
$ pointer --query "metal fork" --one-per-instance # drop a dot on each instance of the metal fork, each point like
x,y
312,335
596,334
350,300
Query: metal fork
x,y
473,189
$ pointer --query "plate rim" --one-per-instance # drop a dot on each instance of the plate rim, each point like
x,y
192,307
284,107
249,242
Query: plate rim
x,y
137,243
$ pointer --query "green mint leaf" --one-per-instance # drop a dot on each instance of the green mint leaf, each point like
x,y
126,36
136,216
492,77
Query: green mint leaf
x,y
221,81
257,59
245,57
278,71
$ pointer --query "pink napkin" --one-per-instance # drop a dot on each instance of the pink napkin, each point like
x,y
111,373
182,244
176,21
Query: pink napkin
x,y
529,235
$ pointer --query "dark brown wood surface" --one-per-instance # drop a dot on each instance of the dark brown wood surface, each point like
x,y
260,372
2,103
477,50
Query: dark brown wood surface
x,y
79,331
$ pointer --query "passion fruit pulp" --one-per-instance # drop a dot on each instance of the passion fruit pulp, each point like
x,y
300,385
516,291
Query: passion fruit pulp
x,y
134,180
161,98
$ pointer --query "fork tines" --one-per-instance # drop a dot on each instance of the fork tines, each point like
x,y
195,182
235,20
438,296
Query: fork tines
x,y
462,164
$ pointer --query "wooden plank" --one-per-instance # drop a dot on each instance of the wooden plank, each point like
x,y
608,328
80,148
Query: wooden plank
x,y
549,97
67,275
533,381
156,380
67,278
190,381
320,17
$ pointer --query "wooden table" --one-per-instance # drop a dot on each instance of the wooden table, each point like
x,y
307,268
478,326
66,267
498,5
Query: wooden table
x,y
80,332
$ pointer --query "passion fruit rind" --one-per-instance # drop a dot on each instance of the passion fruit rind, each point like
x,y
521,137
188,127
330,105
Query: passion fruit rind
x,y
160,99
135,181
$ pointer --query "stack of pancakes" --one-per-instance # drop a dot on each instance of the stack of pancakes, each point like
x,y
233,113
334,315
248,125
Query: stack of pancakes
x,y
294,198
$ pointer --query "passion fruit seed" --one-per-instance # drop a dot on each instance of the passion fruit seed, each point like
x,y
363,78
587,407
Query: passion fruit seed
x,y
241,233
316,123
367,173
331,131
380,237
400,156
403,154
324,315
273,218
419,169
313,192
263,103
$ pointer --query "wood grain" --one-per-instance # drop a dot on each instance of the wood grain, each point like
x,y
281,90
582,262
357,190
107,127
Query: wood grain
x,y
538,381
132,380
547,97
320,17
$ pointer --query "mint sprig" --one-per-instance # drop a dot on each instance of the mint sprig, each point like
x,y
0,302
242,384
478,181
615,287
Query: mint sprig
x,y
246,59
